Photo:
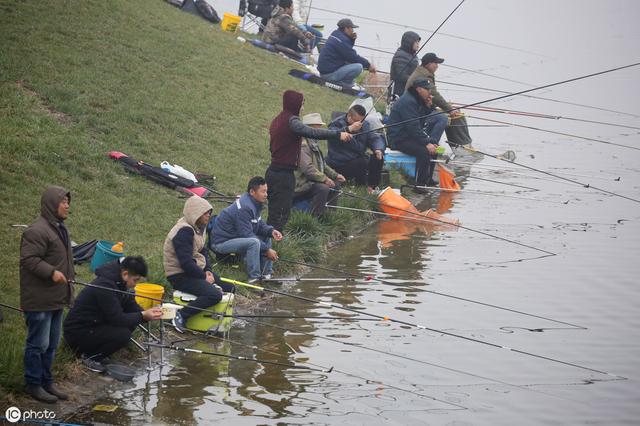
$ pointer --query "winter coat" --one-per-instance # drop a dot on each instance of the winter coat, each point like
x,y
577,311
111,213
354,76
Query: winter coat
x,y
404,62
312,168
409,106
438,100
44,248
337,52
340,153
95,307
241,220
184,250
281,24
286,131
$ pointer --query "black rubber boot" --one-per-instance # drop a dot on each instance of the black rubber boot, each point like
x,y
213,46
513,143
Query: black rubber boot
x,y
53,390
38,393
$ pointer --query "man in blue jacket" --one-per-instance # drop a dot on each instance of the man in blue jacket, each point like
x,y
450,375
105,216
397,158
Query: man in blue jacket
x,y
420,135
350,158
338,61
240,229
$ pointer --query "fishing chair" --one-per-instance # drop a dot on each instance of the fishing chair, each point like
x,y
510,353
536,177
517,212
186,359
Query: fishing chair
x,y
255,13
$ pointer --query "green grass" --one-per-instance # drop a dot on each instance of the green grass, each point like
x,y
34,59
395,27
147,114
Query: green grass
x,y
79,79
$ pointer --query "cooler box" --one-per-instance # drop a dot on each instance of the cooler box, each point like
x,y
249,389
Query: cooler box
x,y
404,162
205,321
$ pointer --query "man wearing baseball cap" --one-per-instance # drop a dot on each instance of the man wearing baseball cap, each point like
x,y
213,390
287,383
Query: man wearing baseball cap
x,y
427,70
421,128
338,61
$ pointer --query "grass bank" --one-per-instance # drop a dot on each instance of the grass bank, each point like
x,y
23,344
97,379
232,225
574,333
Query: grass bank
x,y
79,79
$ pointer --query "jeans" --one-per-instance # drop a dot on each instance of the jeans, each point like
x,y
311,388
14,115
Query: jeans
x,y
435,123
345,75
43,336
98,342
281,186
365,171
207,294
256,263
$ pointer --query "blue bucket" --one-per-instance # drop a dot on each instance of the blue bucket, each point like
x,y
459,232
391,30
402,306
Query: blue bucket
x,y
104,254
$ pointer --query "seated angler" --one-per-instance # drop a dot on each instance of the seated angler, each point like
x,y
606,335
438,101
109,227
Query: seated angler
x,y
103,318
351,158
415,128
282,30
314,178
239,229
186,263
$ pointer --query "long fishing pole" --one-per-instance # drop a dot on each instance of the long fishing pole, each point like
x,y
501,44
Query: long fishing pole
x,y
540,115
585,185
423,327
522,126
415,55
542,98
529,188
414,214
11,307
311,317
237,357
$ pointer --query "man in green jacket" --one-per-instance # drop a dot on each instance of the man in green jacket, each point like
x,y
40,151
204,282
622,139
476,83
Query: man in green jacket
x,y
427,70
46,266
314,178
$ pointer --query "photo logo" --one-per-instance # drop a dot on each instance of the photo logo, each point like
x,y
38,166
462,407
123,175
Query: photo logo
x,y
13,414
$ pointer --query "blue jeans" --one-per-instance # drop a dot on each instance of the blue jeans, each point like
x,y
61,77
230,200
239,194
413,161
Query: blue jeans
x,y
344,75
43,336
256,263
435,123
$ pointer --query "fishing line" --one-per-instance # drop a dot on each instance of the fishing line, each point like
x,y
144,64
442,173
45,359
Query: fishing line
x,y
498,182
555,132
376,202
585,185
489,194
429,31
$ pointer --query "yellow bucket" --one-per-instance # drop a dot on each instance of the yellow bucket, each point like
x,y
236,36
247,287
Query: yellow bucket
x,y
149,290
230,22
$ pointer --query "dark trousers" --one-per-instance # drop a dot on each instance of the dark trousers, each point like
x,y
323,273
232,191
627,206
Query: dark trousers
x,y
207,294
320,195
290,41
98,342
364,170
424,165
43,336
281,185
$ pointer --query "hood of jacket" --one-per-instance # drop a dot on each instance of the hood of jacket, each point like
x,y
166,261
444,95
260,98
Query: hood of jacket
x,y
406,43
292,101
110,271
50,201
195,207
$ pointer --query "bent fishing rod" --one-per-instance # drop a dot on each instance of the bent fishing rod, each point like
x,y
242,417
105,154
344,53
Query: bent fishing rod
x,y
237,357
415,214
584,185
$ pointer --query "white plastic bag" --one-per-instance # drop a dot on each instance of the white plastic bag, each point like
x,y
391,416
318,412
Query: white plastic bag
x,y
178,171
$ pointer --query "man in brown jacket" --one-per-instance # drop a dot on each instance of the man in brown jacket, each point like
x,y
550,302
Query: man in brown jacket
x,y
427,70
46,266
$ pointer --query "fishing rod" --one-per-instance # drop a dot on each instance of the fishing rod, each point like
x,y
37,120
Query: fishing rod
x,y
11,307
487,193
415,55
541,115
379,203
325,317
556,133
427,30
542,98
585,185
529,188
423,327
239,358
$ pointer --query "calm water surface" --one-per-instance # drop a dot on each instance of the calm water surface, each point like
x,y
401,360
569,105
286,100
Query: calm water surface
x,y
388,373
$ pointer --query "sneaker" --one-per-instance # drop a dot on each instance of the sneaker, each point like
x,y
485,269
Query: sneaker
x,y
254,280
358,88
93,365
39,394
53,390
266,277
178,323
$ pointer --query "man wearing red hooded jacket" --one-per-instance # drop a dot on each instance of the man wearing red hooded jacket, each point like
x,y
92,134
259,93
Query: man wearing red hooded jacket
x,y
285,132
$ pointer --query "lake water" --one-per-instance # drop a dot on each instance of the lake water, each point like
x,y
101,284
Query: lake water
x,y
588,294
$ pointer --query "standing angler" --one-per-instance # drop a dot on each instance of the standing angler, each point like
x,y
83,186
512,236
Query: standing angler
x,y
46,266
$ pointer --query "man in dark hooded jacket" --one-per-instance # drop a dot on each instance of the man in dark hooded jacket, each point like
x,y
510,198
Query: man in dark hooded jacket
x,y
404,61
102,319
46,266
286,132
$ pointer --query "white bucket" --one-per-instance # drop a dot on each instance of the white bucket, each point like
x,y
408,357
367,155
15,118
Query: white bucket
x,y
169,310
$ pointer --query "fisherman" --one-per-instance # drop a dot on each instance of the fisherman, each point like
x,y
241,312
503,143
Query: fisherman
x,y
427,70
338,61
420,135
285,133
314,178
282,30
404,62
103,319
239,229
46,266
186,263
351,158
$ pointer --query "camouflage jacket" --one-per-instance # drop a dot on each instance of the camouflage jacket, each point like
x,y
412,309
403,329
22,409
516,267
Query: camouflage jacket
x,y
279,26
